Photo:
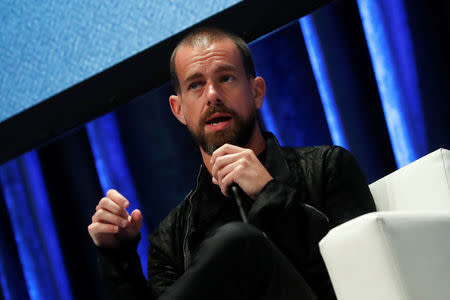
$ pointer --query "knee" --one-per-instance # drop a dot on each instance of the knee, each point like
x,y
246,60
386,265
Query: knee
x,y
236,247
238,230
238,236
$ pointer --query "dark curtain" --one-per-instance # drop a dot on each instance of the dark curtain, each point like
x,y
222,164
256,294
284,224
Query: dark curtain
x,y
372,76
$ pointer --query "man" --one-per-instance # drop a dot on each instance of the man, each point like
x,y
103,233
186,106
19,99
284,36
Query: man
x,y
292,196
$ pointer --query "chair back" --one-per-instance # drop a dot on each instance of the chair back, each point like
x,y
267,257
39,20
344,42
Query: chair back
x,y
423,185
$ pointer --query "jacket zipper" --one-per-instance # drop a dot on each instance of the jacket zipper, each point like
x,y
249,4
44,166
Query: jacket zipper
x,y
188,222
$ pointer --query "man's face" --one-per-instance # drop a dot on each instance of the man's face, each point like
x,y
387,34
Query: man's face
x,y
217,101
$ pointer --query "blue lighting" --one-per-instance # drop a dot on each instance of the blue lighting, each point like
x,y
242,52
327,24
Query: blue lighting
x,y
391,51
3,280
41,207
15,200
32,223
112,168
269,120
323,82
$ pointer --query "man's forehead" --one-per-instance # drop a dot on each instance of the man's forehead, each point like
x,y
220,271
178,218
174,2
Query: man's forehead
x,y
224,50
208,44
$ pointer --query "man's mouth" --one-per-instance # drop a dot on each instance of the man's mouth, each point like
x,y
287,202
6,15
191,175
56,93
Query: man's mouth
x,y
217,118
218,121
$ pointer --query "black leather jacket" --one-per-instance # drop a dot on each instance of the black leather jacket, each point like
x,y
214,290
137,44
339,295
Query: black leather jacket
x,y
313,190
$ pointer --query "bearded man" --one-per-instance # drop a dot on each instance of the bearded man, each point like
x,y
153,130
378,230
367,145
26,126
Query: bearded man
x,y
291,196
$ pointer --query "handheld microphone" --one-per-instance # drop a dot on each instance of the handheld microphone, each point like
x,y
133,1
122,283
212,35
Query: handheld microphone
x,y
237,194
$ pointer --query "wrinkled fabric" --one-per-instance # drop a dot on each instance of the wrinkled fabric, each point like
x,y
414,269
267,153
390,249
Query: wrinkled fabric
x,y
314,189
237,261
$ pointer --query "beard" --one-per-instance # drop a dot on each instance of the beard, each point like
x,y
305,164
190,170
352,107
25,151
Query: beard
x,y
237,134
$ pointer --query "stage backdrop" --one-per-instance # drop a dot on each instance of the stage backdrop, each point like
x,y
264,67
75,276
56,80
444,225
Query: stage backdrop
x,y
372,76
49,46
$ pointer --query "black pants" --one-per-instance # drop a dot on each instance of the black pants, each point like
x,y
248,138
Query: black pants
x,y
239,262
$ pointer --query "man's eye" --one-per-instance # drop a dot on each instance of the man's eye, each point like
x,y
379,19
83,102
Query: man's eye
x,y
227,78
194,86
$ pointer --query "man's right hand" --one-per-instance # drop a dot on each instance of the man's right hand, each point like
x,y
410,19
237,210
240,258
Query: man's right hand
x,y
111,223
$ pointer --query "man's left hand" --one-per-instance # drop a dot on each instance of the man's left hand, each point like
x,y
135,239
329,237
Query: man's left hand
x,y
239,165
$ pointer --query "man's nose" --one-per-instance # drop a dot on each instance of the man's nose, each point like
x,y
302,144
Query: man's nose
x,y
213,94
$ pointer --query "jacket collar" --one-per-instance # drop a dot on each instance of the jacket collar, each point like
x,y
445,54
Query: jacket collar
x,y
275,162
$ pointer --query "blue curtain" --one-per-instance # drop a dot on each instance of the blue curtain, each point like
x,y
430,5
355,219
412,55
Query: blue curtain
x,y
112,168
372,76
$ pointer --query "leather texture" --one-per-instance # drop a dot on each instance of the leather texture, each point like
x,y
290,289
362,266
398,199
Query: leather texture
x,y
313,190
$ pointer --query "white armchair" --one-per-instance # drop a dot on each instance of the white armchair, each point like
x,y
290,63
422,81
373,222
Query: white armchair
x,y
403,250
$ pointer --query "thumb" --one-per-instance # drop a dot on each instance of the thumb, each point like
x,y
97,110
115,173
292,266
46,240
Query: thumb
x,y
136,218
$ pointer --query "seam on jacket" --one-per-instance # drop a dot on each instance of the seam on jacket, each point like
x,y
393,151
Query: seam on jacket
x,y
299,157
188,221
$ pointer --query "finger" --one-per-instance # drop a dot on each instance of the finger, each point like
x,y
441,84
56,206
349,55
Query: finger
x,y
113,207
99,228
117,198
222,161
228,179
225,149
104,216
136,218
242,153
227,169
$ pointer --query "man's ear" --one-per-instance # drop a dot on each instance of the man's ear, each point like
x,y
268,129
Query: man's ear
x,y
175,105
259,90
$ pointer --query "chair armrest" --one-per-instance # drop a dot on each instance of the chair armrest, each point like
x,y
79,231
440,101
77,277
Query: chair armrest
x,y
390,255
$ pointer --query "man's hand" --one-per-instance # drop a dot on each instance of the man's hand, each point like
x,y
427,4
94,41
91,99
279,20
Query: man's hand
x,y
239,165
111,222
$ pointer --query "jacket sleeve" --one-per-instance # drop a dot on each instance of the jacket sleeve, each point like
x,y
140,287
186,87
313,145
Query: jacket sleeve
x,y
347,193
121,273
163,269
284,213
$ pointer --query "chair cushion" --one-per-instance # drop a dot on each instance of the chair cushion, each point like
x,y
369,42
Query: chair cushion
x,y
390,255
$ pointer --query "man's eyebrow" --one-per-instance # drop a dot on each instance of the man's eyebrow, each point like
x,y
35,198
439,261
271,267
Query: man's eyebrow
x,y
226,68
222,68
193,77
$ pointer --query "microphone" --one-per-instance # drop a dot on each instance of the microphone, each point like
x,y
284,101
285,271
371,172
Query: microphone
x,y
237,193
